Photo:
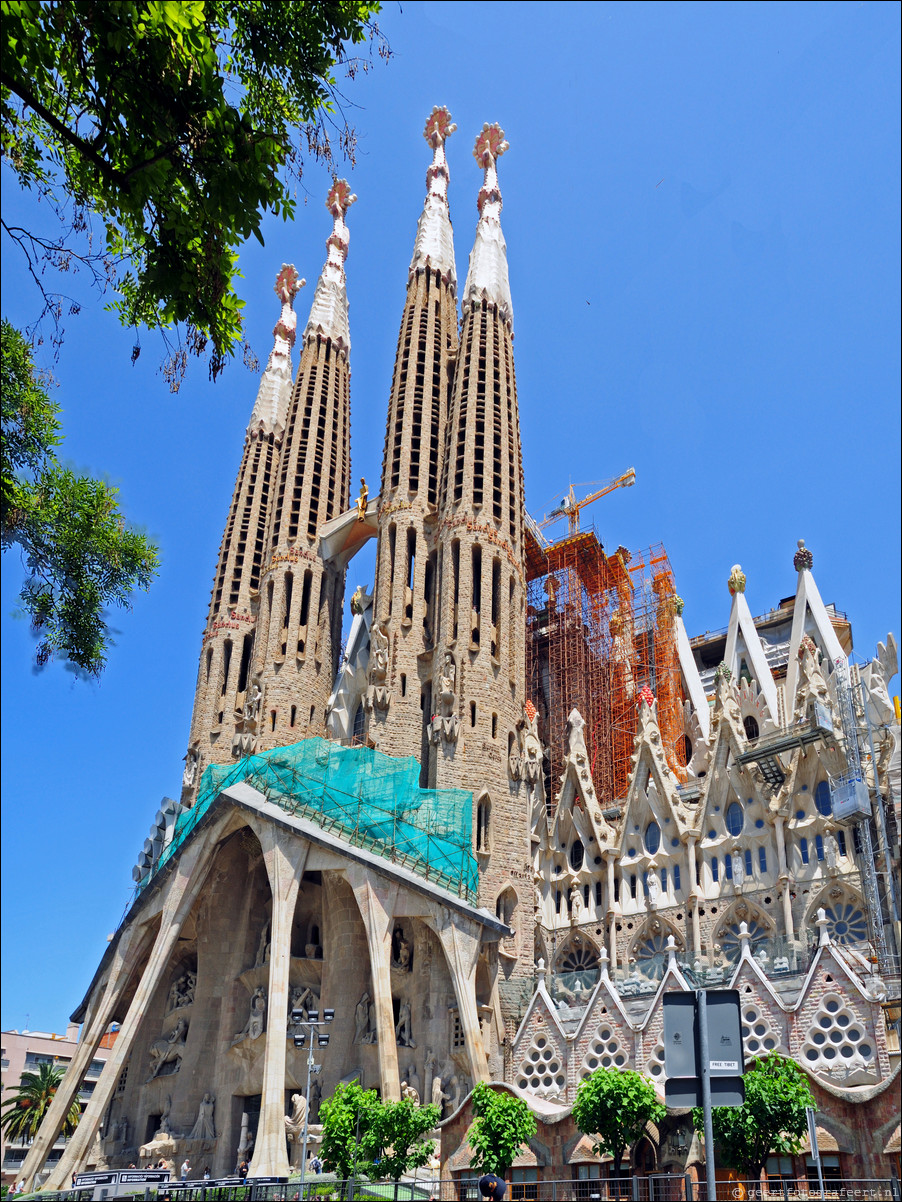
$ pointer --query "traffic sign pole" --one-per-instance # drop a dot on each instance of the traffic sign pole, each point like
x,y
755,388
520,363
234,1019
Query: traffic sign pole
x,y
705,1076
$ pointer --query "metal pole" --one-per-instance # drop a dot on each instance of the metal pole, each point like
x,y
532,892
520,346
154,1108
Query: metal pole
x,y
701,1004
815,1150
306,1114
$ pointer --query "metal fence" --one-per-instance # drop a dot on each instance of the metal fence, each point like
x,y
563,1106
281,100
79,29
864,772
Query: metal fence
x,y
656,1187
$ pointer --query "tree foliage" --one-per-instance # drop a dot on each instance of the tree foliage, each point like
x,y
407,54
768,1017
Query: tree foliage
x,y
395,1138
23,1112
614,1106
503,1124
771,1121
364,1136
346,1118
79,555
179,124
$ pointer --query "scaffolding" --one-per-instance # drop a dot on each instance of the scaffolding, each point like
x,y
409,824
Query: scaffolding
x,y
600,628
366,798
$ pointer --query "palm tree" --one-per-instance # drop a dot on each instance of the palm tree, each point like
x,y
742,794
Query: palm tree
x,y
23,1113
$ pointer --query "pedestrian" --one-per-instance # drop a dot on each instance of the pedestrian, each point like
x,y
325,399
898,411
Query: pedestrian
x,y
492,1187
186,1169
316,1164
206,1173
243,1170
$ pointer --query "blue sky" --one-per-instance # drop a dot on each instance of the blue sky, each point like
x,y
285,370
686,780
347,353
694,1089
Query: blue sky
x,y
702,218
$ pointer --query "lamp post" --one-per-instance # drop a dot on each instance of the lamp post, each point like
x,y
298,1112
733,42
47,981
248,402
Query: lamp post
x,y
312,1028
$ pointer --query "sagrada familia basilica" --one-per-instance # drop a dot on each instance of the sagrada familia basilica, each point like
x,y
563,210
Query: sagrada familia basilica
x,y
518,807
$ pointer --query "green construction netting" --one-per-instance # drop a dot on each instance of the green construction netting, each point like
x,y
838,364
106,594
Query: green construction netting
x,y
370,799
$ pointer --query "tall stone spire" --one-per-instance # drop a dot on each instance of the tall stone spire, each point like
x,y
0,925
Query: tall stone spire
x,y
228,637
398,697
299,627
478,726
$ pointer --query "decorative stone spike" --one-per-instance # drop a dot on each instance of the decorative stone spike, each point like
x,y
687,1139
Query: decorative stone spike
x,y
487,278
646,696
723,672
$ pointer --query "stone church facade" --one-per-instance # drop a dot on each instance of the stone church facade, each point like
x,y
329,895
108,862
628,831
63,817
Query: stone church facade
x,y
375,832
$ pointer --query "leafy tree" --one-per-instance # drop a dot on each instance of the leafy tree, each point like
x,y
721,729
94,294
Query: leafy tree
x,y
615,1106
395,1138
503,1124
771,1121
23,1113
347,1118
79,555
179,124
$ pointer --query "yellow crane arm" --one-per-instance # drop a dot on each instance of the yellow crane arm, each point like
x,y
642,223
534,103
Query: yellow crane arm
x,y
570,507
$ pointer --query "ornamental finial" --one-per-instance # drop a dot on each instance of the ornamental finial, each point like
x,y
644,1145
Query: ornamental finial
x,y
439,126
803,559
288,283
340,198
490,145
736,581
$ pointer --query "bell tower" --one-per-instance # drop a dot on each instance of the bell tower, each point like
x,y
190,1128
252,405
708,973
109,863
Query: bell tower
x,y
398,699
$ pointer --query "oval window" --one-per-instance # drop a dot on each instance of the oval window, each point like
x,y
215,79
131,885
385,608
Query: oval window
x,y
577,854
735,818
652,838
823,802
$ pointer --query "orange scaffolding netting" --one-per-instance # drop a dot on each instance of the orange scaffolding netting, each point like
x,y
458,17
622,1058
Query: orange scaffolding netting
x,y
599,629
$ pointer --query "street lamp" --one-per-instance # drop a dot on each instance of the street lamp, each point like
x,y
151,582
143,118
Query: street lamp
x,y
311,1028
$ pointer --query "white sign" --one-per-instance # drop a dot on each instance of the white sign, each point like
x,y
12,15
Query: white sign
x,y
727,1066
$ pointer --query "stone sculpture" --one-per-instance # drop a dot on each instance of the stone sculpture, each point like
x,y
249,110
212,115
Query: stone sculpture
x,y
316,1096
409,1094
294,1126
245,1140
403,1034
204,1127
362,1019
253,1028
401,951
263,948
190,773
168,1050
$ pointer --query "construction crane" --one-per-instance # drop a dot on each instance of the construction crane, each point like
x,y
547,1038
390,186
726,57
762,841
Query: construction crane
x,y
570,508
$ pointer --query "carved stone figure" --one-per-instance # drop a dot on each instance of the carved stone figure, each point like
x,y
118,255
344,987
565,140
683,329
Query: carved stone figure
x,y
204,1127
402,1030
409,1094
738,870
316,1096
190,773
576,904
246,1140
380,645
362,500
168,1050
362,1019
303,999
413,1078
122,1131
253,1029
360,600
654,888
263,947
163,1128
401,951
447,681
294,1124
439,1097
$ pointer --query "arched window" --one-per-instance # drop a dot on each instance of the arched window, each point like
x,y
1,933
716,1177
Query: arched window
x,y
652,838
823,802
359,722
762,859
819,846
577,854
751,728
715,870
748,862
676,878
803,848
484,824
735,818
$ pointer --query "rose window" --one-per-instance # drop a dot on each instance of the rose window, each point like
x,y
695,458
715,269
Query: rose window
x,y
732,944
846,923
757,1036
580,958
655,1065
651,954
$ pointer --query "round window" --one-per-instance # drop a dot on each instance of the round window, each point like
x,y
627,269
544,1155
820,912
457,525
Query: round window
x,y
652,838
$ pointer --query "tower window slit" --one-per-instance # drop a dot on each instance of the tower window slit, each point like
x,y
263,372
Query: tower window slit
x,y
476,597
496,603
455,571
392,538
226,664
293,714
246,648
272,720
411,568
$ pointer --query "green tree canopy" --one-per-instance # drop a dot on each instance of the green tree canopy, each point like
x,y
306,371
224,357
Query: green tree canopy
x,y
503,1124
179,124
395,1139
23,1112
346,1118
771,1121
79,555
614,1107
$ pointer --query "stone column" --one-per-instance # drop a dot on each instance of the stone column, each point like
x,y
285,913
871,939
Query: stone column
x,y
781,845
96,1023
285,858
610,860
696,927
376,899
180,895
460,943
787,911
